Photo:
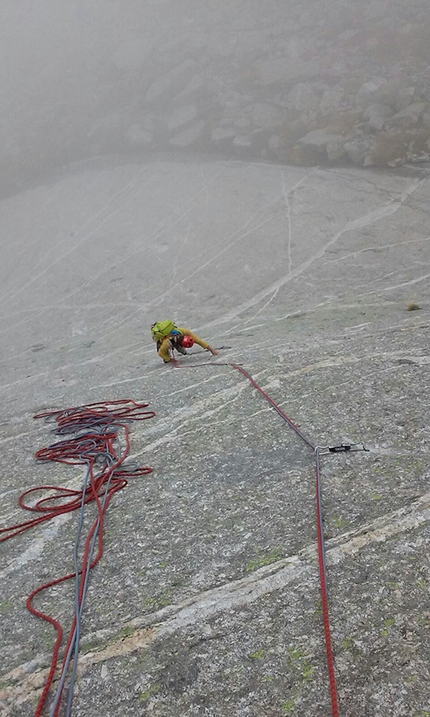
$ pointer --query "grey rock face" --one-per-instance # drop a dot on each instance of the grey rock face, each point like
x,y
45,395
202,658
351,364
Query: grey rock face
x,y
209,580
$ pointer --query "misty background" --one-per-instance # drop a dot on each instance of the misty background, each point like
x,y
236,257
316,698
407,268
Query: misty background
x,y
298,83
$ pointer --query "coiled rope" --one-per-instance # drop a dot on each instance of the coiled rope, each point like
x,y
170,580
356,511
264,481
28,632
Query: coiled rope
x,y
94,442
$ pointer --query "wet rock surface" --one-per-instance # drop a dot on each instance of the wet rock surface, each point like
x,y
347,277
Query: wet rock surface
x,y
207,598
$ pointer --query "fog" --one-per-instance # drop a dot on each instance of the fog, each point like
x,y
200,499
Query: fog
x,y
236,79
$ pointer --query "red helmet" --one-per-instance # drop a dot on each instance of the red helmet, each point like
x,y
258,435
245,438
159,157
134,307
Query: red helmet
x,y
187,342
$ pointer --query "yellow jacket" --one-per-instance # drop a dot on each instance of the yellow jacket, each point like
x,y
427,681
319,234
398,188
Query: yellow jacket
x,y
164,350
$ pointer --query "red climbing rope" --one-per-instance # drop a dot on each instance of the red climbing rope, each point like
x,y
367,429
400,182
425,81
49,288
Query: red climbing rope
x,y
96,445
324,592
320,534
275,405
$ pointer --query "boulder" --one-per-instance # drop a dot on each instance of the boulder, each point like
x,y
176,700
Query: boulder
x,y
242,122
221,45
388,93
243,145
284,70
275,143
195,84
359,150
307,18
335,149
343,123
182,115
331,100
317,139
150,122
322,142
280,148
392,146
139,136
223,136
404,98
293,47
265,116
303,98
409,117
188,136
370,91
171,82
376,114
347,35
132,53
426,119
242,141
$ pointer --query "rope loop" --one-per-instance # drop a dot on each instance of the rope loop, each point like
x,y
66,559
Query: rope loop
x,y
93,440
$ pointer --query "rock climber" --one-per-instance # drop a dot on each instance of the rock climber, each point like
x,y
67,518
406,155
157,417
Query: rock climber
x,y
169,337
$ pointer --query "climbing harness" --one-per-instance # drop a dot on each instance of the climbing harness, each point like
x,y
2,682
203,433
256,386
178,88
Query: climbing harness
x,y
93,440
318,452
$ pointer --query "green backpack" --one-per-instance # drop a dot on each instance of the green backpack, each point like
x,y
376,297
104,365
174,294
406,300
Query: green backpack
x,y
161,329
